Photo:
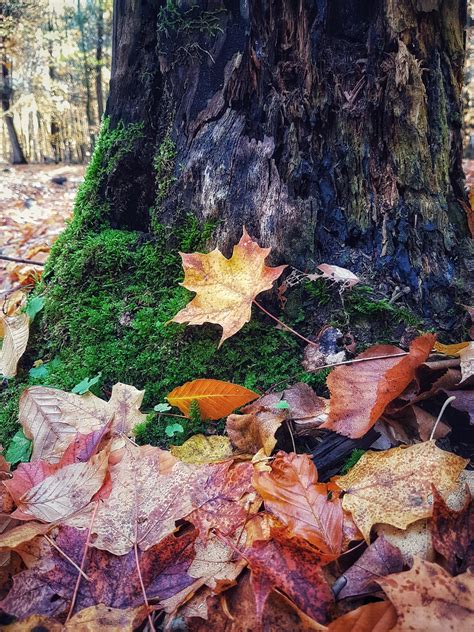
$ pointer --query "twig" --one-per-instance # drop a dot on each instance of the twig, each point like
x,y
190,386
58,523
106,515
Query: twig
x,y
84,555
445,405
58,548
20,260
310,342
137,562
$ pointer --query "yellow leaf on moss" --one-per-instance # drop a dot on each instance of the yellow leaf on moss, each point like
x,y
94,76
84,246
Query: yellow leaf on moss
x,y
215,398
394,486
225,288
200,449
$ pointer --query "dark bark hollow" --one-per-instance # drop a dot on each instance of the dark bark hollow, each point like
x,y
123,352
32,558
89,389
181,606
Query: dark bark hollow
x,y
330,128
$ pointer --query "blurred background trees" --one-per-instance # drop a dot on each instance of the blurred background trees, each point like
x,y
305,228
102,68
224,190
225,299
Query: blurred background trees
x,y
55,58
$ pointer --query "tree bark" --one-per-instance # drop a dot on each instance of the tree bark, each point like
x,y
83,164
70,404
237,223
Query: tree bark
x,y
330,129
99,59
17,155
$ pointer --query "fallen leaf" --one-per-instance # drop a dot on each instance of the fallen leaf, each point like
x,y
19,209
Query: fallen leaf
x,y
427,598
413,541
64,492
216,398
16,330
291,565
379,559
23,533
225,288
339,275
200,449
452,350
373,617
453,533
467,364
394,486
361,392
253,431
291,491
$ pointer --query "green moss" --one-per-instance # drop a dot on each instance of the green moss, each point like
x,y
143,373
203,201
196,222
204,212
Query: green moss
x,y
164,163
361,304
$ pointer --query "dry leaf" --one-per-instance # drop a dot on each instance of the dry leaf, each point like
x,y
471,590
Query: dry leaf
x,y
291,491
200,449
361,392
225,288
413,541
253,431
216,399
452,350
373,617
394,486
339,275
428,598
63,493
16,330
467,364
23,533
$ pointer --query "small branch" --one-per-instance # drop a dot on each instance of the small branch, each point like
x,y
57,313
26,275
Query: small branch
x,y
59,549
83,560
20,260
282,324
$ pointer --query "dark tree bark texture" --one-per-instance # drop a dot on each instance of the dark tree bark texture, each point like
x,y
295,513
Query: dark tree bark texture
x,y
330,128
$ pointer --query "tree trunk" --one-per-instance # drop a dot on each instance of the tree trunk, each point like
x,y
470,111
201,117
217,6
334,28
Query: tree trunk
x,y
98,60
332,130
86,71
17,155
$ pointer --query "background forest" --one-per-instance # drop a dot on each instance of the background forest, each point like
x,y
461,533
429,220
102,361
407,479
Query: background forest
x,y
55,57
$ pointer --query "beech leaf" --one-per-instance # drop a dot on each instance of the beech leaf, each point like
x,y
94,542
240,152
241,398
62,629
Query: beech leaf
x,y
394,486
361,392
225,288
216,399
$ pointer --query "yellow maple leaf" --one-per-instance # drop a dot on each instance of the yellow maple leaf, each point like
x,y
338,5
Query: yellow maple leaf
x,y
225,288
394,486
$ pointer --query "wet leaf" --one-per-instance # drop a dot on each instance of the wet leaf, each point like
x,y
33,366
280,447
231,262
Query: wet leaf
x,y
427,598
394,486
361,392
225,288
200,449
291,491
216,399
16,330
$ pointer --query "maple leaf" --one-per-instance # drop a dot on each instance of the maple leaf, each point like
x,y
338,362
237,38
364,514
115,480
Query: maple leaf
x,y
291,565
15,332
215,398
413,540
291,491
373,617
394,486
427,598
361,392
452,533
225,288
379,559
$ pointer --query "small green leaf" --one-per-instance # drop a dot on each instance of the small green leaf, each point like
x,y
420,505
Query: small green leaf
x,y
162,408
19,450
172,429
34,306
85,384
282,405
38,372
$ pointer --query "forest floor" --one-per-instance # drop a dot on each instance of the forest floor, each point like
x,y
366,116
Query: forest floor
x,y
33,210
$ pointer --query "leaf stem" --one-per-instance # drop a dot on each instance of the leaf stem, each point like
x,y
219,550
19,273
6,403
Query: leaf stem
x,y
307,340
66,556
443,408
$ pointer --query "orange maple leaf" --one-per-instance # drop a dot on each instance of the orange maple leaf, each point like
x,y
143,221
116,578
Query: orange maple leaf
x,y
225,288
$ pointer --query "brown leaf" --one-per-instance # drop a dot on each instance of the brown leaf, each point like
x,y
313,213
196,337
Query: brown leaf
x,y
379,559
394,486
23,533
225,288
373,617
16,331
361,392
467,365
428,598
291,491
453,533
253,431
